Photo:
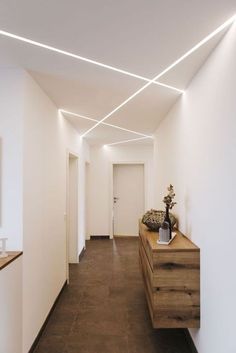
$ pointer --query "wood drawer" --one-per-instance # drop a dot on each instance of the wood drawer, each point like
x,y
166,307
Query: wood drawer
x,y
176,260
169,317
178,270
176,298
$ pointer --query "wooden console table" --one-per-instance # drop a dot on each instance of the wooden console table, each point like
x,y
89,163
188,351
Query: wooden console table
x,y
171,277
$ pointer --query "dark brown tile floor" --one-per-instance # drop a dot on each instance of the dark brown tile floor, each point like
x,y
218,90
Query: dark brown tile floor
x,y
104,310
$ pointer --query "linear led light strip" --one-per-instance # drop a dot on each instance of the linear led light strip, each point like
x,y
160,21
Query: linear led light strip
x,y
192,50
106,124
82,58
124,141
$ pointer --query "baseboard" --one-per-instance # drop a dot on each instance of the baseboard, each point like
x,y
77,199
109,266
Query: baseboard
x,y
81,255
46,320
95,237
126,236
191,344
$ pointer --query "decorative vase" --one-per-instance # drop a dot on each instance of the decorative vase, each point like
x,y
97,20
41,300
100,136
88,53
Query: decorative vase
x,y
167,219
164,233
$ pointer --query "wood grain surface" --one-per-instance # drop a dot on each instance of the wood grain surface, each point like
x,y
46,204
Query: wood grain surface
x,y
171,277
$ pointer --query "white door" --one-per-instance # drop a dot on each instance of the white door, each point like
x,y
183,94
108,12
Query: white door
x,y
72,221
128,198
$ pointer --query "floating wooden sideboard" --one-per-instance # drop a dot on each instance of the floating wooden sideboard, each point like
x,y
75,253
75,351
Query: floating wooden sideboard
x,y
171,277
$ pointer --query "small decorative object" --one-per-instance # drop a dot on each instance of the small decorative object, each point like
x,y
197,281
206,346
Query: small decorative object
x,y
3,248
164,233
167,242
168,200
154,218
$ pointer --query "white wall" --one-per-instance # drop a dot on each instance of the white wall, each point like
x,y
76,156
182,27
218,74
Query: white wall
x,y
11,308
11,206
73,143
35,140
195,151
84,161
47,139
11,155
99,179
72,216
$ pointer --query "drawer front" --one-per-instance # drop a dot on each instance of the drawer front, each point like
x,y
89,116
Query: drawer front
x,y
180,270
172,317
176,298
176,260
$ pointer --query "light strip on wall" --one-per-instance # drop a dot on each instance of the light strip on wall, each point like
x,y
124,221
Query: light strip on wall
x,y
170,87
82,58
106,124
176,62
77,115
124,141
198,45
117,108
127,130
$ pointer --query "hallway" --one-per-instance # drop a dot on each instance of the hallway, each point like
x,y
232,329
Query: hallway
x,y
104,309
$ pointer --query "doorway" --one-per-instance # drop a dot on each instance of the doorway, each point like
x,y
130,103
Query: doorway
x,y
128,198
72,210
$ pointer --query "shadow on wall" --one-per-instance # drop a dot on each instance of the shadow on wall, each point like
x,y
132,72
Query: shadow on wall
x,y
187,206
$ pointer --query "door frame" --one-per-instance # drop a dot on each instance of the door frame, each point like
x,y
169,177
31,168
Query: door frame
x,y
111,182
86,197
70,153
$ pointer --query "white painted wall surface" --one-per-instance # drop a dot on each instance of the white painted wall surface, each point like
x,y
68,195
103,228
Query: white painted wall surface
x,y
84,160
11,156
99,179
195,151
72,216
11,308
47,138
35,140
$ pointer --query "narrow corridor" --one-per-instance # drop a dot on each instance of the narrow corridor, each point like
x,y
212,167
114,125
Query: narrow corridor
x,y
104,310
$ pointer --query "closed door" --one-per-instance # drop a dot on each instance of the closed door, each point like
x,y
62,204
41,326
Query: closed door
x,y
128,198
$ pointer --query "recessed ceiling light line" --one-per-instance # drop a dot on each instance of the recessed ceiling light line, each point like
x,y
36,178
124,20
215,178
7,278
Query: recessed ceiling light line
x,y
170,87
127,130
106,124
77,115
82,58
124,141
198,45
117,108
162,73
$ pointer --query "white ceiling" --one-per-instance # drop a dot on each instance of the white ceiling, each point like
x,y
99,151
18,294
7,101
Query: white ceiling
x,y
142,37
